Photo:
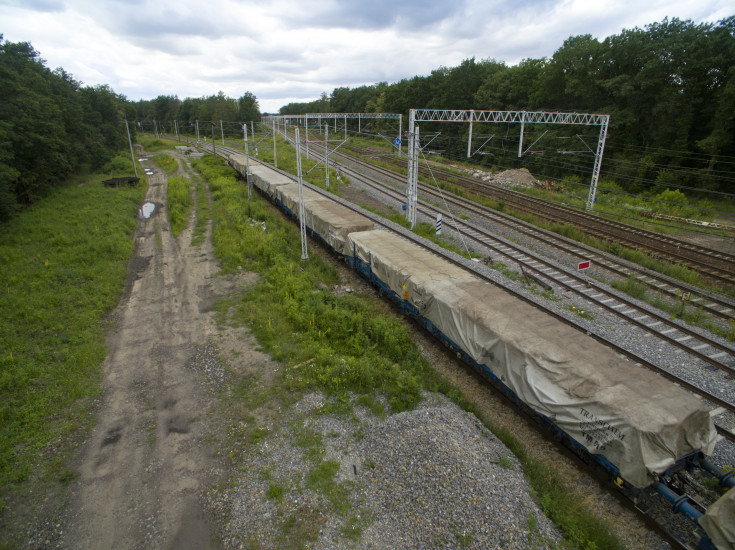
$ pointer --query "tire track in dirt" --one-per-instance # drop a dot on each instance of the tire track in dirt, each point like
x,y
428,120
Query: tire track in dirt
x,y
145,465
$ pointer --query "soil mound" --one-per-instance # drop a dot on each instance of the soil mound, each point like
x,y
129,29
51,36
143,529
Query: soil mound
x,y
516,177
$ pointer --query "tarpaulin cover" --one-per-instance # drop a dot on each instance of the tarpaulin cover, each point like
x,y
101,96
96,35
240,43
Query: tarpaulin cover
x,y
289,196
334,222
639,421
262,177
719,521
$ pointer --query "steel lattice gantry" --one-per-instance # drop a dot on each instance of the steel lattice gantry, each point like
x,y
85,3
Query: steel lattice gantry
x,y
303,119
509,117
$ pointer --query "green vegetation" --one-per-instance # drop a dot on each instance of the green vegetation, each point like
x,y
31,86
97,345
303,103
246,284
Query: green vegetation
x,y
63,263
52,127
581,528
214,108
505,462
152,145
180,202
631,286
274,491
321,479
580,312
345,346
202,213
166,163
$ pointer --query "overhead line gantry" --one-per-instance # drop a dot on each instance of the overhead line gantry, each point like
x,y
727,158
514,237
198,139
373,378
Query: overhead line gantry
x,y
508,117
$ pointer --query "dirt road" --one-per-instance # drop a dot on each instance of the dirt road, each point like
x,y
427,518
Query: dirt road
x,y
146,463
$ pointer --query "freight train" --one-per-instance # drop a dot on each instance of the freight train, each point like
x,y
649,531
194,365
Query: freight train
x,y
638,426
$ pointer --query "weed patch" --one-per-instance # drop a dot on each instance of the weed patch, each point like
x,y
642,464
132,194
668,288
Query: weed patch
x,y
180,201
63,263
166,162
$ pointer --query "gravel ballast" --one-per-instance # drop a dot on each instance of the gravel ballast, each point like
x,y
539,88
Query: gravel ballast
x,y
433,477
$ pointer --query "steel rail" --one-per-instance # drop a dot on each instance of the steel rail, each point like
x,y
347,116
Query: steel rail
x,y
718,306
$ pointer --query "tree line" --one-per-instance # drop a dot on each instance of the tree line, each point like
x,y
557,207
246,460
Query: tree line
x,y
52,126
669,89
159,113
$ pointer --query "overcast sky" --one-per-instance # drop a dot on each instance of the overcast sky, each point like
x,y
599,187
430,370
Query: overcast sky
x,y
293,50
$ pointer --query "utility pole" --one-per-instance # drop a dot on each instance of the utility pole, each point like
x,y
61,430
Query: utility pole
x,y
302,214
326,154
130,142
214,145
247,160
222,132
275,156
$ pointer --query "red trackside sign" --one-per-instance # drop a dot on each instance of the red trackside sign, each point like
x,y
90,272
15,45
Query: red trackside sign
x,y
583,265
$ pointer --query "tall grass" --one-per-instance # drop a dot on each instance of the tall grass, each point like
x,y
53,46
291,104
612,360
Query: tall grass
x,y
166,163
152,144
180,201
62,266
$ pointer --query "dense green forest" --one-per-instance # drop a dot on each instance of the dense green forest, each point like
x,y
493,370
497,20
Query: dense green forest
x,y
669,90
52,126
158,114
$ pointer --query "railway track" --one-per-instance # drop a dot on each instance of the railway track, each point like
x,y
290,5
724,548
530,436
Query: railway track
x,y
710,351
673,540
712,264
700,347
718,306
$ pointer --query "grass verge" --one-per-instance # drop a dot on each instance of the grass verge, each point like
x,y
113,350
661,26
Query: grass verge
x,y
166,162
180,202
63,263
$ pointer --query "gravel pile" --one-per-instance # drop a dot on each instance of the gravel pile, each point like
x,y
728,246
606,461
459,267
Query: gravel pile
x,y
440,479
508,178
433,477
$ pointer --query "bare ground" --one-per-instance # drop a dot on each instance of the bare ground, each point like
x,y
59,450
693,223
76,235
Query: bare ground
x,y
144,467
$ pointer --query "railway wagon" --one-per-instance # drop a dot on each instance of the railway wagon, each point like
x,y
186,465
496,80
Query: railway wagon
x,y
326,219
635,423
719,521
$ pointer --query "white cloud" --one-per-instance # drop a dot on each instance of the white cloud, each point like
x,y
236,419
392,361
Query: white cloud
x,y
292,50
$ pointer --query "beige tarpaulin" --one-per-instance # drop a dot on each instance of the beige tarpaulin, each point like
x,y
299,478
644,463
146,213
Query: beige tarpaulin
x,y
719,521
639,421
